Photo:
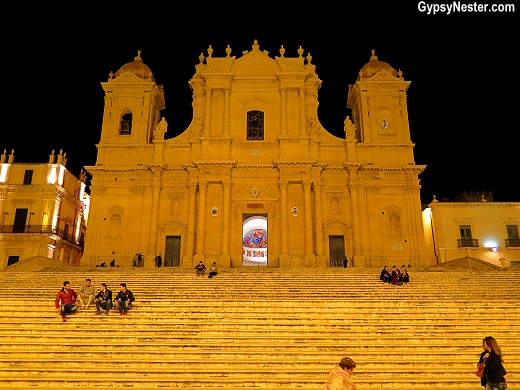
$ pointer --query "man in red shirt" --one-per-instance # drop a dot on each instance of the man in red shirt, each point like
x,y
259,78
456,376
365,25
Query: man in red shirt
x,y
68,297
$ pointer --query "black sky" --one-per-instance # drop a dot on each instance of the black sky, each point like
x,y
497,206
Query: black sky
x,y
462,101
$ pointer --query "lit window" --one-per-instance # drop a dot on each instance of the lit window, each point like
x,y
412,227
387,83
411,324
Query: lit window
x,y
27,178
255,125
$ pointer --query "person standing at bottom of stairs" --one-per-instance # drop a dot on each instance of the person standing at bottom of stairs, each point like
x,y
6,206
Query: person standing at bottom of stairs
x,y
66,301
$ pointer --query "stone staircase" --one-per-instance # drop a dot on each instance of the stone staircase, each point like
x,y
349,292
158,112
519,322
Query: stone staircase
x,y
259,328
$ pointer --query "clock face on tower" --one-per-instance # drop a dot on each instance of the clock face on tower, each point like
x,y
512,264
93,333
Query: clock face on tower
x,y
385,124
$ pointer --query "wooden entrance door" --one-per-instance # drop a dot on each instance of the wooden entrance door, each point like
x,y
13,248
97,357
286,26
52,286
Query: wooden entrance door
x,y
172,252
336,250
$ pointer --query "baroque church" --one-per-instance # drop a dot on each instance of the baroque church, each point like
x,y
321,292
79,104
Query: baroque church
x,y
255,179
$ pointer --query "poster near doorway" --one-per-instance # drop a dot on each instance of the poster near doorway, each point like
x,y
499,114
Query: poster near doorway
x,y
254,240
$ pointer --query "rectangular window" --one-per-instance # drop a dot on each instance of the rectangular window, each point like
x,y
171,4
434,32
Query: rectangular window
x,y
27,178
20,220
465,231
512,231
12,259
465,237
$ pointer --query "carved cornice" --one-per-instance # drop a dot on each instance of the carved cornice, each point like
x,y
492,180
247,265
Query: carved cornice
x,y
22,201
101,168
474,205
255,166
295,162
212,163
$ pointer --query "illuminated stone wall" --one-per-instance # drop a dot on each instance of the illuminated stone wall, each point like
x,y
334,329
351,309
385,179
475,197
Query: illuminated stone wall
x,y
488,225
43,212
256,146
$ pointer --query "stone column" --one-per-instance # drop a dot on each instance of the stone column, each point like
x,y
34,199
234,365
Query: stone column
x,y
359,259
283,111
226,111
285,258
201,222
154,213
225,259
320,257
310,258
190,239
303,124
364,227
207,113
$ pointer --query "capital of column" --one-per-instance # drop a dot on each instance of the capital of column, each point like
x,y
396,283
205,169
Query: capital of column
x,y
283,183
208,90
227,90
202,185
283,89
307,185
227,184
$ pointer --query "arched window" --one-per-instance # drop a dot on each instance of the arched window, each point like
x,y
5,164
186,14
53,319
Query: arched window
x,y
125,126
395,225
255,125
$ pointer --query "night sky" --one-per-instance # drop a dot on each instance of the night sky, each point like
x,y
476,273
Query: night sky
x,y
462,101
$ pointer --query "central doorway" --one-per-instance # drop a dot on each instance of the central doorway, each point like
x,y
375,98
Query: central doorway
x,y
337,250
172,251
254,240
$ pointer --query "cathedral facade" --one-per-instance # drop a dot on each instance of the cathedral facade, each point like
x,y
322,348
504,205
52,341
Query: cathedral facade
x,y
255,179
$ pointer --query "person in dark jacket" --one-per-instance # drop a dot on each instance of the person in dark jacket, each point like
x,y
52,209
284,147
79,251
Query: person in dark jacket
x,y
200,269
103,299
67,297
124,299
493,370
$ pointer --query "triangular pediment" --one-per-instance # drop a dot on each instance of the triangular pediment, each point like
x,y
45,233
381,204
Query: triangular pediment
x,y
173,224
383,75
291,65
335,223
116,210
255,64
219,65
127,77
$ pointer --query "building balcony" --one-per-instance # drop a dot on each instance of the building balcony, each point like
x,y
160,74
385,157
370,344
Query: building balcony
x,y
42,229
467,243
512,242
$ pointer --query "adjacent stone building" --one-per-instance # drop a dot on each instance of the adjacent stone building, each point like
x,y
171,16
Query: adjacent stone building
x,y
256,179
43,211
473,225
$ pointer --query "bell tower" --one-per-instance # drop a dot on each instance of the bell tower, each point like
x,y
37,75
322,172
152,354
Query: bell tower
x,y
378,104
133,102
